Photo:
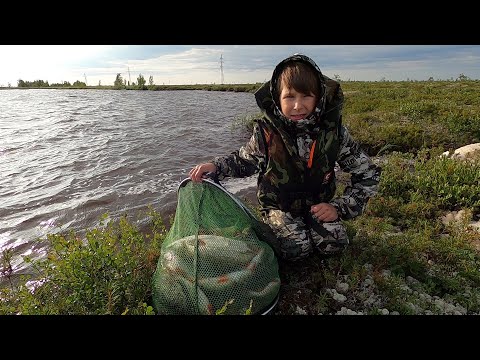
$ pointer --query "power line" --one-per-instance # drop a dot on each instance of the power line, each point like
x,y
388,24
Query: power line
x,y
221,68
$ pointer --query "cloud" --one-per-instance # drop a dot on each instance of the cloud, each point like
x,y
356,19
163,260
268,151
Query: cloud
x,y
185,64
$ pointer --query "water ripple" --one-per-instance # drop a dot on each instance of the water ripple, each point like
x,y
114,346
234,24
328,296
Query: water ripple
x,y
69,156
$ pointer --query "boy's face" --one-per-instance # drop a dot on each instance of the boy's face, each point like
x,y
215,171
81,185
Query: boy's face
x,y
296,105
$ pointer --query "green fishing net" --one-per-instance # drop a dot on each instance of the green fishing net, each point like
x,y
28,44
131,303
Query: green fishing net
x,y
217,258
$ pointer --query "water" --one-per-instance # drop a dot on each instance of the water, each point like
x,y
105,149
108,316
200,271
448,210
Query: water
x,y
69,156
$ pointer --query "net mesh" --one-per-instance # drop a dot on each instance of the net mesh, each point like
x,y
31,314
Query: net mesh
x,y
216,258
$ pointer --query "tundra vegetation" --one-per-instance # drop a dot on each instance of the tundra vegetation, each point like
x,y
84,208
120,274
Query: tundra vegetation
x,y
404,257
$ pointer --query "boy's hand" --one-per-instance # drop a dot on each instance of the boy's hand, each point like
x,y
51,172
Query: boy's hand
x,y
324,212
196,174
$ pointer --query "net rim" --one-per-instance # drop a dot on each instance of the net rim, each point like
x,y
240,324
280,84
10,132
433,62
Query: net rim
x,y
222,188
272,306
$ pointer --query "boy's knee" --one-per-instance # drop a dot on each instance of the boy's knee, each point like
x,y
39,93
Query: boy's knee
x,y
295,246
291,234
294,253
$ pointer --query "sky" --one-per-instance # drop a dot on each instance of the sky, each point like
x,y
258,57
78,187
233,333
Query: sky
x,y
239,64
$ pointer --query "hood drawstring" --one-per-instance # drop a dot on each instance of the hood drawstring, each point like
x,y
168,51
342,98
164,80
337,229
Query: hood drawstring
x,y
310,158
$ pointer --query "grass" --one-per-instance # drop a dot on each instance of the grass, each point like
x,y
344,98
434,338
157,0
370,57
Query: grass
x,y
402,259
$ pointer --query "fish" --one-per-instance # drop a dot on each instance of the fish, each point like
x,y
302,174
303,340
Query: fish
x,y
227,280
214,249
270,290
197,267
179,295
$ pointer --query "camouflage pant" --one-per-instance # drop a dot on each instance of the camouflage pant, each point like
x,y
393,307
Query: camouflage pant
x,y
298,236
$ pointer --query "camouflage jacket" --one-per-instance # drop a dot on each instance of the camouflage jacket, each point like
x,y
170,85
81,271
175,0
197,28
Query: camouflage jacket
x,y
285,179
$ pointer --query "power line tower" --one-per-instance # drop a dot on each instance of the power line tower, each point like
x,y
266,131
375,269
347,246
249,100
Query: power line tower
x,y
221,69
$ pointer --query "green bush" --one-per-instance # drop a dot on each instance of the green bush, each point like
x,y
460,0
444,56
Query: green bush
x,y
107,272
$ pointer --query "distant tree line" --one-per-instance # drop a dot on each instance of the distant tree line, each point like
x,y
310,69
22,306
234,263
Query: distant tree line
x,y
67,84
121,83
141,84
41,84
36,83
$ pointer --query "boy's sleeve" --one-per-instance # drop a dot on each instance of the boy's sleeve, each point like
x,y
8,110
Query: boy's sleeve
x,y
365,176
244,162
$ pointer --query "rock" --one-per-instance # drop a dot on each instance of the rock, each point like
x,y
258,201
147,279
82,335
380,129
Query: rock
x,y
464,152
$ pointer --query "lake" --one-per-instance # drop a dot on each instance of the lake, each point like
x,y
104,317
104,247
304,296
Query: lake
x,y
69,156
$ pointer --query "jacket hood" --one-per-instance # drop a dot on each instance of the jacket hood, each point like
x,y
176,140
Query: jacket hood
x,y
267,95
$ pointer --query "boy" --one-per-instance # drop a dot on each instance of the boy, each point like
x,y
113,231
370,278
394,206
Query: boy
x,y
294,149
